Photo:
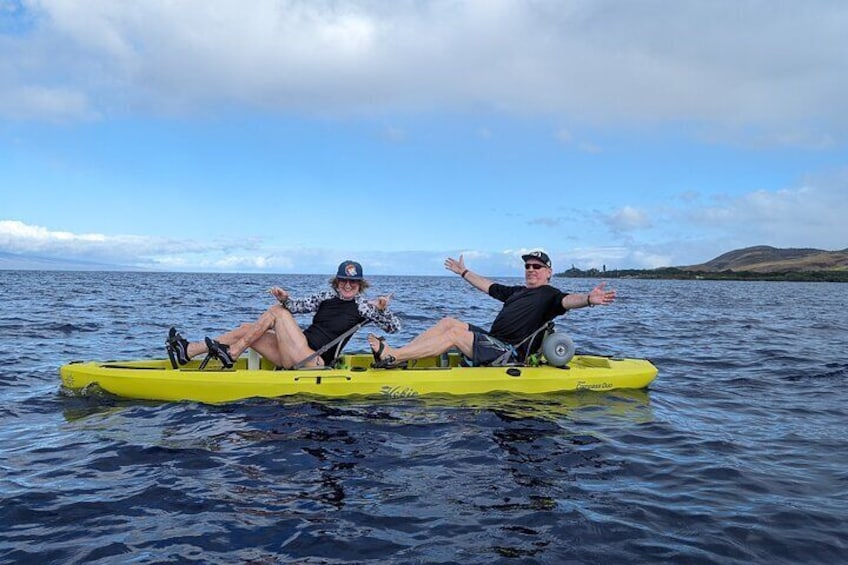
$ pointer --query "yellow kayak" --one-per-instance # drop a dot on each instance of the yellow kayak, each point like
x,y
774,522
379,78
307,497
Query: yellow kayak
x,y
157,380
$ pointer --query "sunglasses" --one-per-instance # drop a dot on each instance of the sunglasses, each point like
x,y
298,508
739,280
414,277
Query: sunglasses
x,y
348,281
534,266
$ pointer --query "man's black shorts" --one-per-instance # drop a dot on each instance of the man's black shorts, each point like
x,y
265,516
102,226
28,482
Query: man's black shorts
x,y
488,349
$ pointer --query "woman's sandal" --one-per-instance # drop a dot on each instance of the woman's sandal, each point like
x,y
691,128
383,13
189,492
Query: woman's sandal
x,y
177,347
378,354
387,362
220,352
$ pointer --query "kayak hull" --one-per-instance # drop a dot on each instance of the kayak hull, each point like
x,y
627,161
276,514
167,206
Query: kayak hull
x,y
157,380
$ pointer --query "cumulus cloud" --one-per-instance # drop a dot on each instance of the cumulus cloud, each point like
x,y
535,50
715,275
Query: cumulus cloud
x,y
694,228
647,259
779,70
253,255
17,236
627,218
21,238
814,210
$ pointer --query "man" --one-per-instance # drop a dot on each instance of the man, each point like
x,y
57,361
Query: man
x,y
526,308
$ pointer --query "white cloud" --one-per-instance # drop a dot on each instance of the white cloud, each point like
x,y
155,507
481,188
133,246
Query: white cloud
x,y
649,260
21,238
253,255
812,215
628,218
18,236
692,230
780,73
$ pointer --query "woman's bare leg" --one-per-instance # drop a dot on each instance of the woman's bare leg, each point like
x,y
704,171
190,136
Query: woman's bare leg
x,y
291,343
240,338
267,347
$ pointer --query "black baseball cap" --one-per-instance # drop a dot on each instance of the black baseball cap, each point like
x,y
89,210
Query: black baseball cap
x,y
539,256
350,270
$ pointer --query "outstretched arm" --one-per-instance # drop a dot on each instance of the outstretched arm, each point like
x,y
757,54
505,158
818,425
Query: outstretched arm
x,y
477,281
597,297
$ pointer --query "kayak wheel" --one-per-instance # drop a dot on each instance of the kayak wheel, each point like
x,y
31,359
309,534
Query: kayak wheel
x,y
558,349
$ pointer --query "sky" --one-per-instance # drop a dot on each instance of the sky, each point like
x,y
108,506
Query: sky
x,y
284,136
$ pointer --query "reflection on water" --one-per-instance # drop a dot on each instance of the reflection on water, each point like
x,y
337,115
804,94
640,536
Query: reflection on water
x,y
110,414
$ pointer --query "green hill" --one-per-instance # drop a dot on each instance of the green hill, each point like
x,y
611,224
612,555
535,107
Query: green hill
x,y
765,259
761,262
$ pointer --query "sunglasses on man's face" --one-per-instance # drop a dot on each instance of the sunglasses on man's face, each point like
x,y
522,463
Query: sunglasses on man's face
x,y
534,266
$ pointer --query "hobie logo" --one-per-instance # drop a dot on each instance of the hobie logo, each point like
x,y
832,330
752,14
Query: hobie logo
x,y
398,392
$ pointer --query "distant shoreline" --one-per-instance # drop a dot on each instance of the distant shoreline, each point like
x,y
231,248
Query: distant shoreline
x,y
672,273
645,274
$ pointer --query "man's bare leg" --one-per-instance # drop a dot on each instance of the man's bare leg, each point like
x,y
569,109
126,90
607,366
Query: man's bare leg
x,y
448,333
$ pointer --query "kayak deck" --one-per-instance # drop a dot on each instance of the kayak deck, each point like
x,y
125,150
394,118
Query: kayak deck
x,y
157,380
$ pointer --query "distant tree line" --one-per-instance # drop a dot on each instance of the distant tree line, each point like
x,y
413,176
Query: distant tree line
x,y
728,275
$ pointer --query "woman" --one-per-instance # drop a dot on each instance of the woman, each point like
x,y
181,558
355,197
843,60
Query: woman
x,y
276,335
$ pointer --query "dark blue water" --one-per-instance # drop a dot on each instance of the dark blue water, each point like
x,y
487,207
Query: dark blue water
x,y
736,454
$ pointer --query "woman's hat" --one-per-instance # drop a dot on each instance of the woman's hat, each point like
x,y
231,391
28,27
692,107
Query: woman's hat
x,y
350,270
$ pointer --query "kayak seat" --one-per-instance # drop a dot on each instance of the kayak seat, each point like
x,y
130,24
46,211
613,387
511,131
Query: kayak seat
x,y
524,349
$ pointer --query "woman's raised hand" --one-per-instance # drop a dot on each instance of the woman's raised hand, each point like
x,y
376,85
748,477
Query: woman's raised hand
x,y
382,302
279,293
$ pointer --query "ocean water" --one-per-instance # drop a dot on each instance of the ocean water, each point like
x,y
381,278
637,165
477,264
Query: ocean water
x,y
735,454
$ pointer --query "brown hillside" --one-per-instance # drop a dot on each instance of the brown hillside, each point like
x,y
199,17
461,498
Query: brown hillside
x,y
766,259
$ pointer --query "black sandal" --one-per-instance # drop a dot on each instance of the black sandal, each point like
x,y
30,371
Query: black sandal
x,y
378,354
177,348
387,362
220,352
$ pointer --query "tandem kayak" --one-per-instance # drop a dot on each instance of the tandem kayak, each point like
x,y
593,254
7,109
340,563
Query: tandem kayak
x,y
256,378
